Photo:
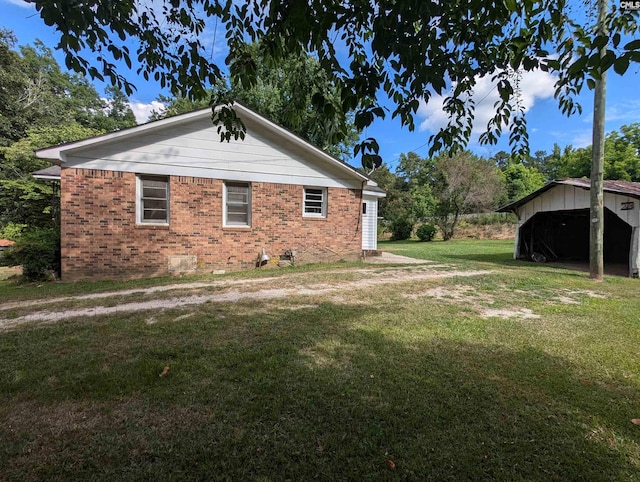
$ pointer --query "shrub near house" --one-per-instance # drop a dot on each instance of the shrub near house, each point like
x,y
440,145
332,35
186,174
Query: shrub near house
x,y
37,251
426,232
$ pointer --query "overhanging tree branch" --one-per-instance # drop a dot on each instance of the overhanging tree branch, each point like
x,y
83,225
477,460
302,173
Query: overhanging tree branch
x,y
405,49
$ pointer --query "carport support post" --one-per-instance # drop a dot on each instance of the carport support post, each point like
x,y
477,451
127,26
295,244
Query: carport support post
x,y
596,239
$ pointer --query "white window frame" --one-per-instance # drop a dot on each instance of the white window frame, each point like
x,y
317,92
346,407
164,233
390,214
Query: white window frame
x,y
323,213
225,204
140,178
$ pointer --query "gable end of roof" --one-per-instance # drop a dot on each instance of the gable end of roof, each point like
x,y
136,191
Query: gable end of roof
x,y
626,188
57,154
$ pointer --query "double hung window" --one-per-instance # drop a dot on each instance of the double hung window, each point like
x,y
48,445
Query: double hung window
x,y
315,202
153,199
237,204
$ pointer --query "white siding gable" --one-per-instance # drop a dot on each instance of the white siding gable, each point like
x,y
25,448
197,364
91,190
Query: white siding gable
x,y
194,149
564,197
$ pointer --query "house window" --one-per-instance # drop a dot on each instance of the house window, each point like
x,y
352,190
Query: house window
x,y
237,204
315,202
153,199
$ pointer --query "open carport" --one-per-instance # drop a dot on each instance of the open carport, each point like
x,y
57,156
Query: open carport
x,y
553,223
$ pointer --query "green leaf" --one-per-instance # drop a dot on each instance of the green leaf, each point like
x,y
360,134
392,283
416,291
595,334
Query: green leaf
x,y
607,61
600,41
511,5
621,65
633,45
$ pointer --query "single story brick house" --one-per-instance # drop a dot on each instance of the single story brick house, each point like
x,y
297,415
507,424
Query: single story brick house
x,y
169,197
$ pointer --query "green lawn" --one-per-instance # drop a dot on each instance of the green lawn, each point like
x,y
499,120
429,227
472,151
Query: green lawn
x,y
404,381
459,250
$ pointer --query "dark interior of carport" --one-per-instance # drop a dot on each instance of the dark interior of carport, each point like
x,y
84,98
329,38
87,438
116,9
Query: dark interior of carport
x,y
564,236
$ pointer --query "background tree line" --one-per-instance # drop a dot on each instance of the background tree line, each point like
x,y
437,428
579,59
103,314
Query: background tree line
x,y
42,105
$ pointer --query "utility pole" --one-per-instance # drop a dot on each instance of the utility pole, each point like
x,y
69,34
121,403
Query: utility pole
x,y
596,238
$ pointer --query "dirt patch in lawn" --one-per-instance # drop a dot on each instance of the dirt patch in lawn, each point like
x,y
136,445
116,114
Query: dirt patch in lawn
x,y
208,285
523,313
241,290
455,294
469,297
560,296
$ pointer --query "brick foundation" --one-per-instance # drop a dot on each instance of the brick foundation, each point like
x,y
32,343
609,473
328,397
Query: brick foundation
x,y
101,239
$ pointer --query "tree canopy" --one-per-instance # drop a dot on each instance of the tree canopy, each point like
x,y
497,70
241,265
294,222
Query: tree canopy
x,y
36,92
621,159
42,105
408,50
438,190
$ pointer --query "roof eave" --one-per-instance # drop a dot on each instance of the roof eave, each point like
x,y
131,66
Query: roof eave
x,y
371,193
49,178
511,207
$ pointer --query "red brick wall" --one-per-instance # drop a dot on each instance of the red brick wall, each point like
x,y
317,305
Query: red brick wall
x,y
100,237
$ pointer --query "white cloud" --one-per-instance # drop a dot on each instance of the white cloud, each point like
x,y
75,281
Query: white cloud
x,y
574,137
534,85
142,110
581,138
19,3
622,112
616,112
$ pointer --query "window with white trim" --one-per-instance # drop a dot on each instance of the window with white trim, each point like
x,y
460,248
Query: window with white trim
x,y
153,199
237,204
315,202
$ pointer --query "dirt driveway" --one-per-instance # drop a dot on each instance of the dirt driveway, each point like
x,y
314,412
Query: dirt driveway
x,y
285,285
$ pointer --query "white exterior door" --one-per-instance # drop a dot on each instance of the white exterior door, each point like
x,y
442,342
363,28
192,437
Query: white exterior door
x,y
369,223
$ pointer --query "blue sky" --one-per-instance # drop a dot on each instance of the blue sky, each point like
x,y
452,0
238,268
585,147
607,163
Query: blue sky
x,y
545,122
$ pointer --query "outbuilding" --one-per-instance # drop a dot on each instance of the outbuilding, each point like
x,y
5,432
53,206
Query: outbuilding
x,y
553,223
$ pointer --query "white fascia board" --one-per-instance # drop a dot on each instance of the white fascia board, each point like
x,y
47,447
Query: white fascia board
x,y
376,194
47,177
225,174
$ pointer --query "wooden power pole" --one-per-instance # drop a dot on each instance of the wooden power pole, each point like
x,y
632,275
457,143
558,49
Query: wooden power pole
x,y
596,238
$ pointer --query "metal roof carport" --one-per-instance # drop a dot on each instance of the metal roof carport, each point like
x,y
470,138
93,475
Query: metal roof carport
x,y
553,223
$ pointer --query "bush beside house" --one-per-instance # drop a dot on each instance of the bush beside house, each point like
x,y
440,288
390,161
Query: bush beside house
x,y
38,251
